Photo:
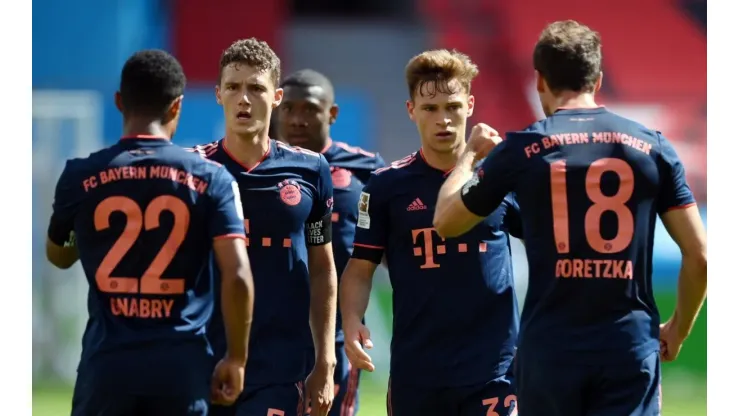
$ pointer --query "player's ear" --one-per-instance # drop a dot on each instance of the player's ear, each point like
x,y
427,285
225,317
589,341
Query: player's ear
x,y
174,111
541,84
410,109
597,86
471,104
218,95
278,97
119,101
333,113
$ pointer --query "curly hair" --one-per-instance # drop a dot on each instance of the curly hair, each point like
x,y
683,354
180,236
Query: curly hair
x,y
150,80
253,52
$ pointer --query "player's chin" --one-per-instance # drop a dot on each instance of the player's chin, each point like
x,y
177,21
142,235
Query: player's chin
x,y
250,127
444,144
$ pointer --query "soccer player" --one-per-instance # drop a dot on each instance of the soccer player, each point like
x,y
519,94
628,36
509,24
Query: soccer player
x,y
143,217
455,314
305,117
590,184
287,201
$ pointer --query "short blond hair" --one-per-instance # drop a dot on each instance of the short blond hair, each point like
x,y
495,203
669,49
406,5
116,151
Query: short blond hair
x,y
439,67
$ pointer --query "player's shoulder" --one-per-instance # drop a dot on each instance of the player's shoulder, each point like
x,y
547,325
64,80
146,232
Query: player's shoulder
x,y
298,156
93,162
344,155
521,138
204,150
396,170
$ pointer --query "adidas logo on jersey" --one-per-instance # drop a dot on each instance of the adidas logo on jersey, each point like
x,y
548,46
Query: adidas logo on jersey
x,y
417,205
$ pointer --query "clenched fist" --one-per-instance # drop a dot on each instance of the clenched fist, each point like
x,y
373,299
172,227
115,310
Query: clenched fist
x,y
483,138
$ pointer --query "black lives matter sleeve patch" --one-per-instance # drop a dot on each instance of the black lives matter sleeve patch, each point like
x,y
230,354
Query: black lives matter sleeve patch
x,y
318,232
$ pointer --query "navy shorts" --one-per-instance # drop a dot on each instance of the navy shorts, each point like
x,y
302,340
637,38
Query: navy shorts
x,y
142,384
572,389
266,400
495,397
95,400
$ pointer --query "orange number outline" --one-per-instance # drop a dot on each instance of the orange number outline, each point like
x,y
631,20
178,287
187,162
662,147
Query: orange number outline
x,y
493,402
151,281
600,204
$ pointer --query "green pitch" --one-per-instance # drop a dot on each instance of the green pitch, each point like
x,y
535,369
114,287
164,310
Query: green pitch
x,y
681,398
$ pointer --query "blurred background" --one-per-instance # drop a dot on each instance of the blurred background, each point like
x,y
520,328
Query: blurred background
x,y
654,67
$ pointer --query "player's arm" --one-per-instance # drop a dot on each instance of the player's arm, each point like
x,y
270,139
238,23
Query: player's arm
x,y
61,248
229,244
467,197
682,220
322,272
687,229
357,279
513,217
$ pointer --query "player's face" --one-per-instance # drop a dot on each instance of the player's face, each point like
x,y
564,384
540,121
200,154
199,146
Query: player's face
x,y
248,97
304,117
441,117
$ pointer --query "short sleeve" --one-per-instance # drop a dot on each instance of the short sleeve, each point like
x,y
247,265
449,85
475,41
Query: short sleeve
x,y
67,197
227,216
513,217
371,231
379,162
318,226
495,178
674,190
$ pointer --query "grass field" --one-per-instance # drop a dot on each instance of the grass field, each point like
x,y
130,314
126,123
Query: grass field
x,y
684,382
682,397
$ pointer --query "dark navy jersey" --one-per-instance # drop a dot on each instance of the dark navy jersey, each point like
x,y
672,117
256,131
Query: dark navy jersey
x,y
287,201
143,214
589,184
350,170
455,314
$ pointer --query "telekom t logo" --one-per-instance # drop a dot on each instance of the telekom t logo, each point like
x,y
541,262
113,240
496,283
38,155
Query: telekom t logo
x,y
427,248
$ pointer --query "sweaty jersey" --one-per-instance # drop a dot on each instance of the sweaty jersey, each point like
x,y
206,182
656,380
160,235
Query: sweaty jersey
x,y
287,201
589,184
143,214
455,313
350,170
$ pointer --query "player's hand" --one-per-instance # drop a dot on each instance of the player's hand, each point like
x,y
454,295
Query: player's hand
x,y
483,138
320,390
356,341
227,381
670,341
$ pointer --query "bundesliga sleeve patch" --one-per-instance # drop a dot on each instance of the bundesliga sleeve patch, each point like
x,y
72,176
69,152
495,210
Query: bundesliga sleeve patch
x,y
363,218
472,182
237,200
319,232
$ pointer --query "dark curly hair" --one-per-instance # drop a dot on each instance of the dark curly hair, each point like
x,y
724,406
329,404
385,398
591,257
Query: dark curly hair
x,y
568,56
150,81
253,52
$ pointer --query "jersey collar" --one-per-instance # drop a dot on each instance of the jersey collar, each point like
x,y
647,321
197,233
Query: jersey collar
x,y
270,150
423,160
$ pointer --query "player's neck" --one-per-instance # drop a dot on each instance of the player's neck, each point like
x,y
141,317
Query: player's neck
x,y
574,99
247,150
442,161
318,146
136,127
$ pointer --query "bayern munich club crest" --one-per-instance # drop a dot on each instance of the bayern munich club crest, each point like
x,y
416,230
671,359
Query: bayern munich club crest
x,y
290,192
